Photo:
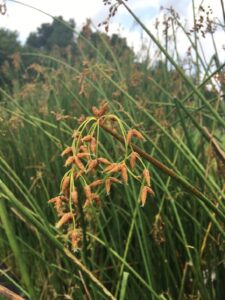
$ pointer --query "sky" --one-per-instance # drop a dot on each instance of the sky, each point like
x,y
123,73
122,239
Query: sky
x,y
24,19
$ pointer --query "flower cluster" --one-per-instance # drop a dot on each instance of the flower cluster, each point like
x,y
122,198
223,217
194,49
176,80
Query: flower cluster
x,y
91,175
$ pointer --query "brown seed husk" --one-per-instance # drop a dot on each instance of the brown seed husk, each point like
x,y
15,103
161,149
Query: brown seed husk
x,y
104,161
74,197
65,185
96,112
92,164
68,150
87,138
83,149
133,158
87,191
64,219
79,164
96,183
69,161
93,145
135,133
108,186
143,195
83,155
124,173
147,176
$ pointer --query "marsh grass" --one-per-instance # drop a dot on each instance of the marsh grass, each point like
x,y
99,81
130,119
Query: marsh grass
x,y
173,246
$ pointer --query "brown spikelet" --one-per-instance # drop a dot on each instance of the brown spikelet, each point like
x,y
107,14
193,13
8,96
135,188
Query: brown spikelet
x,y
133,158
87,138
74,197
64,219
150,191
103,160
69,161
53,200
108,186
96,183
147,176
68,150
83,149
111,166
96,112
83,155
115,180
57,203
109,182
134,132
87,191
96,198
124,173
129,136
103,109
65,185
79,164
92,164
143,196
115,168
75,237
93,145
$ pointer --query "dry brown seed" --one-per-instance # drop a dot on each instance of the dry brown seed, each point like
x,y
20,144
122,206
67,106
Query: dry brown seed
x,y
75,237
74,197
93,145
104,161
115,168
65,184
96,183
108,186
95,111
87,138
150,191
103,109
83,149
134,132
96,198
83,155
133,158
69,161
147,177
111,166
64,219
124,173
79,163
92,164
143,195
68,150
87,191
53,200
115,180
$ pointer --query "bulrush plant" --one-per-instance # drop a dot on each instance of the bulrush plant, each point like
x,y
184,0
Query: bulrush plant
x,y
91,175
